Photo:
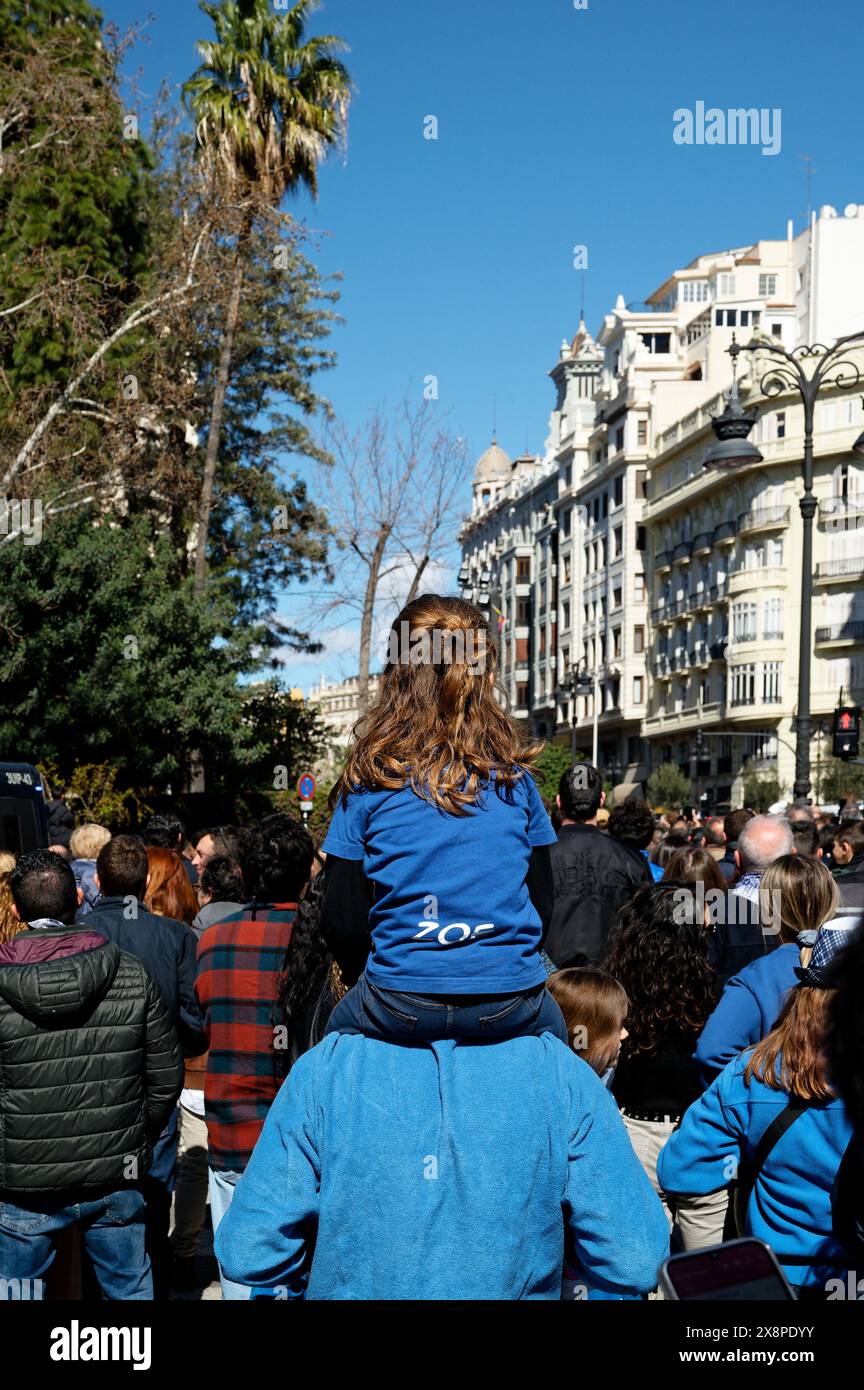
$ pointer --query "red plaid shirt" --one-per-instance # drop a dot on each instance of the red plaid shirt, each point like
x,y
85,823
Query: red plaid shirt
x,y
239,960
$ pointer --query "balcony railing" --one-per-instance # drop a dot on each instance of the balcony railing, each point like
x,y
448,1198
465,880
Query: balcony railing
x,y
703,543
839,569
663,559
841,632
682,552
717,592
724,534
763,518
743,700
851,505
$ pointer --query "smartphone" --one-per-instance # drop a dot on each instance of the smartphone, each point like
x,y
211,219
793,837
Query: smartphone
x,y
741,1271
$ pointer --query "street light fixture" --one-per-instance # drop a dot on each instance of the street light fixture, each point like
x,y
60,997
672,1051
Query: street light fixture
x,y
732,449
789,372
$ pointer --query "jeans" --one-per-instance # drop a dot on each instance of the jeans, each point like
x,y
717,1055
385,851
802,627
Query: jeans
x,y
112,1227
158,1188
391,1017
222,1187
190,1189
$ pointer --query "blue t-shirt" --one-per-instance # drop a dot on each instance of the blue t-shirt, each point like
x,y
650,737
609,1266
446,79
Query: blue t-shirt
x,y
452,913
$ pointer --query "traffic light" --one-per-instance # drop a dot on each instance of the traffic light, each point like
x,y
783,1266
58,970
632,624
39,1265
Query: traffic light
x,y
847,731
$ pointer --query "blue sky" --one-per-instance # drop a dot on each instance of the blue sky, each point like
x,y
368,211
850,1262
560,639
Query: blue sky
x,y
554,129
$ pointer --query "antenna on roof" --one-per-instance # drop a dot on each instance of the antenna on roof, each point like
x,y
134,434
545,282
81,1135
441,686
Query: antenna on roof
x,y
494,418
809,172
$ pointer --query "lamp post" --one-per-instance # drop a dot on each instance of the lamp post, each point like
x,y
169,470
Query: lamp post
x,y
806,369
578,684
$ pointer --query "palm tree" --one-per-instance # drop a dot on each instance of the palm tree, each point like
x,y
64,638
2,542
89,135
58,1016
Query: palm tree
x,y
268,104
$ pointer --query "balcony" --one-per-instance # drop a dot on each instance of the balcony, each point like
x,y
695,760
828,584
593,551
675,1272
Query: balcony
x,y
717,593
701,599
758,577
835,571
681,553
763,519
703,543
663,560
851,505
661,667
841,634
701,654
724,534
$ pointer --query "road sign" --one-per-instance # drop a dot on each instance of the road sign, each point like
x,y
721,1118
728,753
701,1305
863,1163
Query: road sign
x,y
306,786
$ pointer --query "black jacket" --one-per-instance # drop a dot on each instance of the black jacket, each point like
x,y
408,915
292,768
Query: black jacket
x,y
727,865
90,1065
738,937
593,875
167,948
850,881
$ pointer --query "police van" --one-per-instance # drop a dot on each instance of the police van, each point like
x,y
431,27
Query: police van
x,y
23,816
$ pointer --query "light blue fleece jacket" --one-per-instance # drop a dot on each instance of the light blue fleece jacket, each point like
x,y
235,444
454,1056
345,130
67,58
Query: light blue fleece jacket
x,y
445,1171
791,1203
747,1010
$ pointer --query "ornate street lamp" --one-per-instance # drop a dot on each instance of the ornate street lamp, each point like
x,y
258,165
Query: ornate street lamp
x,y
732,449
806,369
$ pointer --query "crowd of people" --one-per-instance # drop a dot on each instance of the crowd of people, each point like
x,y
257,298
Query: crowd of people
x,y
470,1046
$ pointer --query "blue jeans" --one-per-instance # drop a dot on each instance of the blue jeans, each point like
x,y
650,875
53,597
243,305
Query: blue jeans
x,y
112,1228
158,1188
222,1187
397,1017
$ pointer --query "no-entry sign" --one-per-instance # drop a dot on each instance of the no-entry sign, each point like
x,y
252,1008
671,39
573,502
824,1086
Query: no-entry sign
x,y
306,786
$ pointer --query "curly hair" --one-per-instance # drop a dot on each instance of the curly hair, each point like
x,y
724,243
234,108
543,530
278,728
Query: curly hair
x,y
659,955
634,821
437,725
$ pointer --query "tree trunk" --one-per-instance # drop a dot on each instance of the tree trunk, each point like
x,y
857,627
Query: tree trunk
x,y
217,411
368,613
415,583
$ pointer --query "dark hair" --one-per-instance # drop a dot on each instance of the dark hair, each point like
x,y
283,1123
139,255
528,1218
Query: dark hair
x,y
222,878
690,864
668,846
227,839
121,867
43,885
277,858
851,834
845,1041
164,831
633,821
735,821
307,960
661,960
581,791
805,837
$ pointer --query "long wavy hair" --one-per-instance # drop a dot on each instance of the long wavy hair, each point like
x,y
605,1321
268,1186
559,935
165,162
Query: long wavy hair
x,y
9,924
792,1057
659,955
437,724
169,892
807,895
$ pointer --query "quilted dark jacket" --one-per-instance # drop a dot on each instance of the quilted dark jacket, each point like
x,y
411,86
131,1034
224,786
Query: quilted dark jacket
x,y
90,1064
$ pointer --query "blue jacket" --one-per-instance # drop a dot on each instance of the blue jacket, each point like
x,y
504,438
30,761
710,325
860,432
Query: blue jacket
x,y
85,877
791,1203
446,1171
748,1009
